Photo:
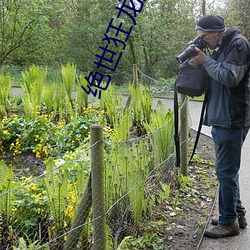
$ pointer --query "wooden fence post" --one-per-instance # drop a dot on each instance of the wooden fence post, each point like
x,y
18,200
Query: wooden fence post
x,y
98,185
135,81
135,74
184,135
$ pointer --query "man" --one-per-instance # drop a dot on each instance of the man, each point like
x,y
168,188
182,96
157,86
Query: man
x,y
228,112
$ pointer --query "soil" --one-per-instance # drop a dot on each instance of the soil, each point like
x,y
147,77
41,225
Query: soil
x,y
25,164
187,222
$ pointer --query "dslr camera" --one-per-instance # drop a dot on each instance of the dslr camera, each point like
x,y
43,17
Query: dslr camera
x,y
190,51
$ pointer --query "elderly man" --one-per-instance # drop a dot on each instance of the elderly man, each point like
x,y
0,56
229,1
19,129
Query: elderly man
x,y
228,112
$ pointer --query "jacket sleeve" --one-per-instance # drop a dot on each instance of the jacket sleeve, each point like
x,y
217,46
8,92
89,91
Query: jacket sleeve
x,y
234,66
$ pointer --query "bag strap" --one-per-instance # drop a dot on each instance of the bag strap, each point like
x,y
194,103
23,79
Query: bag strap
x,y
199,127
176,126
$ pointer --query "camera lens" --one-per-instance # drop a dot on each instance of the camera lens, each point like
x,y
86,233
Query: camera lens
x,y
187,53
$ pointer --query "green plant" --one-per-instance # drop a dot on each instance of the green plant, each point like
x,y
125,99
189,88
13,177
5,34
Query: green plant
x,y
6,184
56,187
30,208
147,241
23,246
82,98
141,104
176,199
164,191
33,85
112,108
126,173
5,89
161,128
184,181
45,138
68,74
48,98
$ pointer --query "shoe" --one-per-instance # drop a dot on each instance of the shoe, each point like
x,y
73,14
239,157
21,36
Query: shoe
x,y
221,231
241,219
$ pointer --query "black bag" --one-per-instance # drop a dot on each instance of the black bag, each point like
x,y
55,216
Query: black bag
x,y
192,80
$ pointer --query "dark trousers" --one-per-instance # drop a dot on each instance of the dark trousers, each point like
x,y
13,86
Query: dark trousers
x,y
228,145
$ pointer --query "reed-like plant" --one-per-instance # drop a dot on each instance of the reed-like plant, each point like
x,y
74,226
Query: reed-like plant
x,y
68,74
126,171
5,90
122,131
141,105
56,185
58,102
112,108
48,97
6,196
82,98
33,86
161,132
137,179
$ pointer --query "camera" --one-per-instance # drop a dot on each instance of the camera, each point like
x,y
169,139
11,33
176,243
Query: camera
x,y
190,51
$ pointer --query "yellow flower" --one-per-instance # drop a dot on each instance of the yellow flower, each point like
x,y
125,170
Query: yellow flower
x,y
37,196
31,187
14,209
38,155
45,151
12,145
73,199
6,132
69,211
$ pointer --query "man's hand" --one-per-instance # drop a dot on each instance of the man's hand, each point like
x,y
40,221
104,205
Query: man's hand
x,y
200,58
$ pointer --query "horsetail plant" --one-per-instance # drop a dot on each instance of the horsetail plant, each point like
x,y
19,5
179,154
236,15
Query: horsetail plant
x,y
56,184
126,172
161,126
141,106
48,98
114,108
68,74
6,184
82,98
5,89
33,86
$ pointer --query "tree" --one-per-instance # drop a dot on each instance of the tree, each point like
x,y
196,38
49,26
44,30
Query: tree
x,y
85,31
21,21
237,12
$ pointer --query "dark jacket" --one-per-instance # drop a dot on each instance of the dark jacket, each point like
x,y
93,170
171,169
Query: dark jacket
x,y
229,90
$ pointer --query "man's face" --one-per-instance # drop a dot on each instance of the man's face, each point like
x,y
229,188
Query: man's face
x,y
211,38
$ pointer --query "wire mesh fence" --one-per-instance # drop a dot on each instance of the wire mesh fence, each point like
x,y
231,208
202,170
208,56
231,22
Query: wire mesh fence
x,y
55,210
42,210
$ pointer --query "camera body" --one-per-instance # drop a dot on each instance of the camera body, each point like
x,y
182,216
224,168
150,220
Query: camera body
x,y
190,51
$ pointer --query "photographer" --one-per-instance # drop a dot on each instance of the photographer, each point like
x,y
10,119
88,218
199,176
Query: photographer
x,y
228,112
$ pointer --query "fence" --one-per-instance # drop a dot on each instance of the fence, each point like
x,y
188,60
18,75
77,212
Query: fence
x,y
90,204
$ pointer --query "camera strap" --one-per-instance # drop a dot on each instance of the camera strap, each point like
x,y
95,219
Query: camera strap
x,y
176,126
199,127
